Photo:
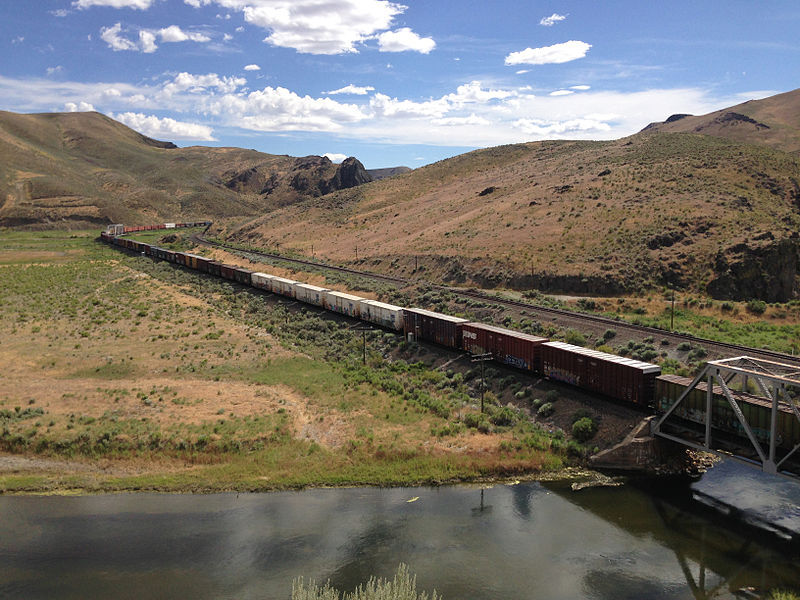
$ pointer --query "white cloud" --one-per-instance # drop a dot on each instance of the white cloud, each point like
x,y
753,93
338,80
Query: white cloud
x,y
472,119
555,54
136,4
523,71
352,89
156,127
197,3
196,84
54,70
252,68
147,38
552,19
562,93
79,107
580,87
472,92
384,106
59,12
18,40
147,41
173,33
110,35
404,39
335,158
316,26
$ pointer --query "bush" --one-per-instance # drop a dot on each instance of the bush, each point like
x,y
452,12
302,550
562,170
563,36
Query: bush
x,y
545,410
584,429
609,334
756,307
403,585
684,346
575,338
503,417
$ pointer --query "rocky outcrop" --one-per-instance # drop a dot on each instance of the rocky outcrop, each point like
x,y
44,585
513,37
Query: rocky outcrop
x,y
349,174
766,272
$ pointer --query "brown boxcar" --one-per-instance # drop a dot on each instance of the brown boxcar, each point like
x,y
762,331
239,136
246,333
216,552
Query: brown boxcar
x,y
243,275
214,268
227,272
613,376
436,327
513,348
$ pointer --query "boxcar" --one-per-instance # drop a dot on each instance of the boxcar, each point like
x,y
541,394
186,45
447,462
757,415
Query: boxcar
x,y
756,410
380,313
215,268
613,376
197,262
283,286
421,324
513,348
262,281
243,276
346,304
227,272
310,294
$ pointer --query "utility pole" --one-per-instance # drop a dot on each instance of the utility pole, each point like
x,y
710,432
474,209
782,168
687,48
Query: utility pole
x,y
364,329
672,313
356,252
482,358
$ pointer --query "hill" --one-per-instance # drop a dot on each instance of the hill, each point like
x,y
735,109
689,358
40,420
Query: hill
x,y
699,212
773,122
85,169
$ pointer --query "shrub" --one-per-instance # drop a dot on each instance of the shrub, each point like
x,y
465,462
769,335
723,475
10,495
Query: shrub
x,y
684,346
551,396
503,417
575,338
584,429
545,410
609,334
403,585
757,307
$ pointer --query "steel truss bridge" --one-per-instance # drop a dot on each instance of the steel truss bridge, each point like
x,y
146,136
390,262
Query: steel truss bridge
x,y
743,408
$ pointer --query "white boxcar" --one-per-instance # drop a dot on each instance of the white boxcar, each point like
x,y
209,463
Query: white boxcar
x,y
169,225
263,281
380,313
310,294
347,304
283,286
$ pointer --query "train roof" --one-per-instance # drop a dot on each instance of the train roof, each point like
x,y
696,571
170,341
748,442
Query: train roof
x,y
436,315
345,296
509,332
382,304
645,367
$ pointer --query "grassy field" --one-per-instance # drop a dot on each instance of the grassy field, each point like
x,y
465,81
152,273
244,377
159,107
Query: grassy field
x,y
122,374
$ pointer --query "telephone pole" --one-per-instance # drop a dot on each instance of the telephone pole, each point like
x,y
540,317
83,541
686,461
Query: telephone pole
x,y
482,358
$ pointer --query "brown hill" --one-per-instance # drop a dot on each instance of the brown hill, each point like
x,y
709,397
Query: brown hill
x,y
773,122
85,169
694,211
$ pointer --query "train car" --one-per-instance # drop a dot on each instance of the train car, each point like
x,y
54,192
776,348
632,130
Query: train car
x,y
197,262
756,410
346,304
380,313
262,281
421,324
227,271
243,276
613,376
509,347
214,268
283,286
310,294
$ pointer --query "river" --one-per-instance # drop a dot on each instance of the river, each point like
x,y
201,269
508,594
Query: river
x,y
530,540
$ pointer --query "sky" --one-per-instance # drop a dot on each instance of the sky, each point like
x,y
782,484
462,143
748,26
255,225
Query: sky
x,y
388,82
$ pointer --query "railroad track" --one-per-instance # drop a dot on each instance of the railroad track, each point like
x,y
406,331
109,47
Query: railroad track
x,y
724,349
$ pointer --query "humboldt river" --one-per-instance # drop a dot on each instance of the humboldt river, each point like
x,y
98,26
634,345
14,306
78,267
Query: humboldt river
x,y
530,540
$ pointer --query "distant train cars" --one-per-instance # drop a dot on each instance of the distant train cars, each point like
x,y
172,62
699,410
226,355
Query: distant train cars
x,y
613,376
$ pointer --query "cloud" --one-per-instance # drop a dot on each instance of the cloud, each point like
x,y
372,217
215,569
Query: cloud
x,y
580,87
252,68
156,127
173,33
54,70
552,19
352,89
404,39
335,158
473,92
18,40
195,84
384,106
59,12
110,35
147,38
556,54
316,26
197,3
136,4
79,107
562,93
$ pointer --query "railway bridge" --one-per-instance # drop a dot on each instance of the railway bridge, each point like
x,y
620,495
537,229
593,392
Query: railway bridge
x,y
743,408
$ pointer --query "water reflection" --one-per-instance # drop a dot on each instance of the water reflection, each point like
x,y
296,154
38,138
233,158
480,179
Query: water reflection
x,y
523,541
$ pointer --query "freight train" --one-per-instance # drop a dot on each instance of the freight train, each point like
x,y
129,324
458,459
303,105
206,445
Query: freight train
x,y
623,379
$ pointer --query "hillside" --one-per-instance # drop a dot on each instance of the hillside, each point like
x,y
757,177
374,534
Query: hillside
x,y
695,211
85,169
773,122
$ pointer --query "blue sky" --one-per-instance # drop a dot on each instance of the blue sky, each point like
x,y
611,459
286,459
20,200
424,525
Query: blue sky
x,y
392,83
